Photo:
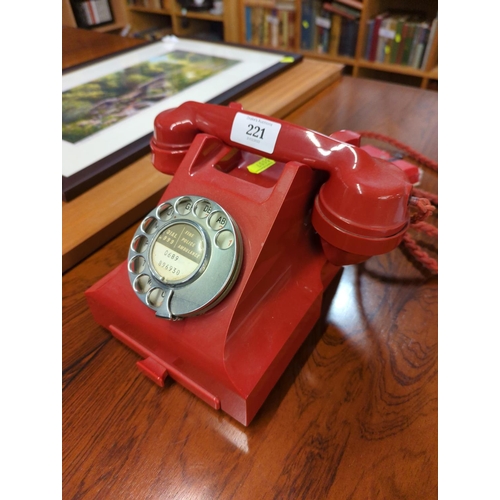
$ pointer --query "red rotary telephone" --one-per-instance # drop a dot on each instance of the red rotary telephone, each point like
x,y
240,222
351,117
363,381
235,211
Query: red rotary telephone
x,y
224,278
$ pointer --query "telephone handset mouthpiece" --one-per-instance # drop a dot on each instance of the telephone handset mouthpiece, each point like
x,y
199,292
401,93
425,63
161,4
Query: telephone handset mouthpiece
x,y
360,211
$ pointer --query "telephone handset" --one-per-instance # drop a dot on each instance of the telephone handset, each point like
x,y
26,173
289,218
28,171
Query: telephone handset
x,y
258,218
360,211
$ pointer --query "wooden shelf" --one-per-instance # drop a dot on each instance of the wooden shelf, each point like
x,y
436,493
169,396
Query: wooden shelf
x,y
137,8
199,15
392,68
358,64
230,25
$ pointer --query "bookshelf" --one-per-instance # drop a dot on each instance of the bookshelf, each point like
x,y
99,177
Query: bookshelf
x,y
303,26
144,15
343,31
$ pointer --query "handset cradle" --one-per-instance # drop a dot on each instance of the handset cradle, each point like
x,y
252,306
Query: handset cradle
x,y
243,259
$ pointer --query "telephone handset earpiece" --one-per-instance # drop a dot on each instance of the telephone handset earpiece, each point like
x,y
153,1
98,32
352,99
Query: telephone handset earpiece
x,y
360,211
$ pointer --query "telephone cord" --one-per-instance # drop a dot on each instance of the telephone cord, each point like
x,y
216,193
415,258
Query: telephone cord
x,y
423,201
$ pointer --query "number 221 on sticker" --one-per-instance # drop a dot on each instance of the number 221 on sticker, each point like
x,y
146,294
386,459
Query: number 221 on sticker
x,y
255,132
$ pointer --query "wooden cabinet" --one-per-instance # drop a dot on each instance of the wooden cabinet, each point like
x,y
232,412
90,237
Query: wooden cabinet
x,y
143,15
308,22
147,14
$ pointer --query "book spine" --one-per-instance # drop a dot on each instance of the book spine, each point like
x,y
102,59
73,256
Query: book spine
x,y
424,37
88,14
384,34
416,36
342,10
265,28
355,4
430,41
335,34
274,28
407,44
307,26
353,38
291,29
103,10
248,24
348,35
370,24
397,45
323,25
375,38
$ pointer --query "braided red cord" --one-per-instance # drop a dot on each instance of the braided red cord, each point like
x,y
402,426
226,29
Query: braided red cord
x,y
423,201
426,228
420,158
425,194
424,207
422,256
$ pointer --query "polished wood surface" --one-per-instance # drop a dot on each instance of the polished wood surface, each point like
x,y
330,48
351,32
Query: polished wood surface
x,y
354,416
102,212
80,46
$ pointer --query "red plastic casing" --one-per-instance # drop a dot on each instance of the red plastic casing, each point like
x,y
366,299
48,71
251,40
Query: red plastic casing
x,y
324,203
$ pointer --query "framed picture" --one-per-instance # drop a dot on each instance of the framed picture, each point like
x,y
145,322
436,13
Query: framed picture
x,y
109,106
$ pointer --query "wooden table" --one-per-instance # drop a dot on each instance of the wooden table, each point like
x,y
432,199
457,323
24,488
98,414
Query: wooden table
x,y
354,416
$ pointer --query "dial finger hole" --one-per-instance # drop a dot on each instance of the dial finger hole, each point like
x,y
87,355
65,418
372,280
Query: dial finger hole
x,y
142,283
224,239
184,206
202,209
137,264
155,297
149,225
165,211
139,244
217,220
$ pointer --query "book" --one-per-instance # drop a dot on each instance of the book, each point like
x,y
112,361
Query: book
x,y
406,44
91,13
103,11
274,23
307,25
335,34
248,24
386,35
355,4
265,28
291,29
399,33
342,10
323,26
375,36
348,37
432,35
370,25
420,43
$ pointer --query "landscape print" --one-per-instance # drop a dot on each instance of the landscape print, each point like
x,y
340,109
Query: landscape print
x,y
96,105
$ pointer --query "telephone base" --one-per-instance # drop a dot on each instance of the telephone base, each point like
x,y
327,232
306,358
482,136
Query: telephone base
x,y
214,381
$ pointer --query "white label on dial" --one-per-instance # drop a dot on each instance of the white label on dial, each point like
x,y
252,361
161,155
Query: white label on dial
x,y
255,132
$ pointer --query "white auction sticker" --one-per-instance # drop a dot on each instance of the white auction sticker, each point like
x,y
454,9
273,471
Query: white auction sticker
x,y
255,132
